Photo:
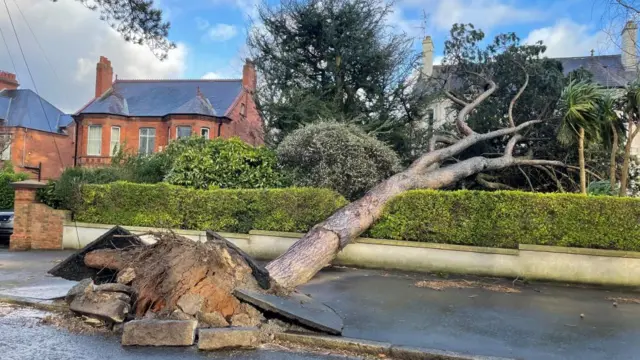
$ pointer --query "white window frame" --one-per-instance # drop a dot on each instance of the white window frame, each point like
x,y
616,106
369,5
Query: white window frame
x,y
5,154
98,139
114,144
183,126
148,149
207,130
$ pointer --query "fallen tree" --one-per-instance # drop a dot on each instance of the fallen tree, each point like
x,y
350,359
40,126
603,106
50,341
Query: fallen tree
x,y
433,170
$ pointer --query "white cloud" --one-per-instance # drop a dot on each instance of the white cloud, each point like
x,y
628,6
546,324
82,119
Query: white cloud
x,y
73,39
567,38
222,32
201,23
484,14
212,75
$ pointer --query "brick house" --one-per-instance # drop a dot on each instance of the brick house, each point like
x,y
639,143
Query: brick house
x,y
35,136
143,116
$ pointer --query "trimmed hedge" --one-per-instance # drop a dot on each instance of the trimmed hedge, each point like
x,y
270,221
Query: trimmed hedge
x,y
508,218
164,205
7,193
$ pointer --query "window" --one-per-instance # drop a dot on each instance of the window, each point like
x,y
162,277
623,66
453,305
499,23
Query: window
x,y
147,141
183,131
115,140
5,147
204,132
94,140
243,111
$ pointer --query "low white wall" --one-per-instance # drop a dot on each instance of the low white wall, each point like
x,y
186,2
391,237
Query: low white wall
x,y
530,261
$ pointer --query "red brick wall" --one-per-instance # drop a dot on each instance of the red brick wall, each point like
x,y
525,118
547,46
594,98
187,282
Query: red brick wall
x,y
249,127
30,147
35,226
130,133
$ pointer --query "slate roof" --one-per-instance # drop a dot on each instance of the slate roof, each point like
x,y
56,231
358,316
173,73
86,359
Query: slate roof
x,y
165,97
607,70
23,107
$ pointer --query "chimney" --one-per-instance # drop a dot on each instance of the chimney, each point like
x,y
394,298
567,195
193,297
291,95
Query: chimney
x,y
104,76
249,77
629,46
8,81
427,56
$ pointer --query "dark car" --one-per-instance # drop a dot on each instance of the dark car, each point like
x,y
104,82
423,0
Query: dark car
x,y
6,223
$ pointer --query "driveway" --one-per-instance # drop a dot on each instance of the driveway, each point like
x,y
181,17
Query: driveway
x,y
538,321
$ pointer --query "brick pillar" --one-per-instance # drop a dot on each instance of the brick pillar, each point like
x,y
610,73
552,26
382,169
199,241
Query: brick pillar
x,y
35,225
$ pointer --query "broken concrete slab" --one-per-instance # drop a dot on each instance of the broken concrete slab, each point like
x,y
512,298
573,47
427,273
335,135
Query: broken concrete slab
x,y
104,305
228,338
212,319
81,288
159,333
356,346
190,303
73,267
114,287
297,307
259,272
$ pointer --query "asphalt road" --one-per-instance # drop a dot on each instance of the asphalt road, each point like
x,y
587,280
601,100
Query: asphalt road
x,y
542,321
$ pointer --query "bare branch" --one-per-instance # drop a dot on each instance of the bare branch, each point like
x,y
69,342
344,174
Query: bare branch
x,y
435,139
518,94
438,155
461,122
627,6
527,161
483,180
453,98
528,179
512,144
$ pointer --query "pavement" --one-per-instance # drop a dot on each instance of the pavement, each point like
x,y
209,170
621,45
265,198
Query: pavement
x,y
540,321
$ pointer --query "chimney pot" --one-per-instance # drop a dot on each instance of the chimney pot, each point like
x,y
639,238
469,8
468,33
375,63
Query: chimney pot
x,y
249,76
629,46
8,81
427,56
104,76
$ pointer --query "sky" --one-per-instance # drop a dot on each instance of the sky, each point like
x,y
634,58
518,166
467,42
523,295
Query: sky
x,y
211,37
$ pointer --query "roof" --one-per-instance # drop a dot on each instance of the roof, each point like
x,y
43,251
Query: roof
x,y
25,108
165,97
607,70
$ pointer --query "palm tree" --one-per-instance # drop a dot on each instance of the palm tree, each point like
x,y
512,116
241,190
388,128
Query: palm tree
x,y
612,131
632,115
580,119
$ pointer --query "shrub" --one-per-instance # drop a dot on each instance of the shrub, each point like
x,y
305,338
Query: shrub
x,y
336,156
164,205
65,193
148,169
7,193
225,163
508,218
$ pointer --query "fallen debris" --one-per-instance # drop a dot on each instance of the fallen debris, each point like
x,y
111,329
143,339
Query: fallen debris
x,y
623,300
109,306
159,332
440,285
228,338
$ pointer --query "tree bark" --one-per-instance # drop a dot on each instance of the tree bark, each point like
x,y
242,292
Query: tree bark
x,y
624,177
583,168
612,162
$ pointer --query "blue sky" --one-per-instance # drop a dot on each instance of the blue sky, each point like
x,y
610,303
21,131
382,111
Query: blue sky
x,y
211,37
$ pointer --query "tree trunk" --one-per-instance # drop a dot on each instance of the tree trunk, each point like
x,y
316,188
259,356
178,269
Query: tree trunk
x,y
612,162
322,243
583,169
624,177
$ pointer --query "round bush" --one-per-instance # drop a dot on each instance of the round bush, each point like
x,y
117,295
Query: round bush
x,y
336,156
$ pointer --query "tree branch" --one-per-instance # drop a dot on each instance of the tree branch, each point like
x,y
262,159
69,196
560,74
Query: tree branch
x,y
482,180
453,98
512,144
461,122
518,94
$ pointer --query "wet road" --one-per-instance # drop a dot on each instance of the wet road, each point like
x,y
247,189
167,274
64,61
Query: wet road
x,y
541,322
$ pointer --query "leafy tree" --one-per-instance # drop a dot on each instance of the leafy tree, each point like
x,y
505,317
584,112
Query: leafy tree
x,y
138,21
331,59
336,156
631,113
578,109
224,163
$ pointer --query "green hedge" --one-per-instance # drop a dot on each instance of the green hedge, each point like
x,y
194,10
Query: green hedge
x,y
508,218
7,193
164,205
